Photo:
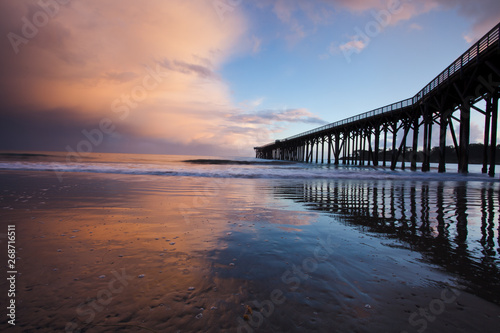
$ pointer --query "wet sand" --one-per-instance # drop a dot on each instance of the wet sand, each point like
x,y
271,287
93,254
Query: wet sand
x,y
104,253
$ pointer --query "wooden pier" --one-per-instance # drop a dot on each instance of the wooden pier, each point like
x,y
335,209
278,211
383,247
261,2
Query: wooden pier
x,y
381,136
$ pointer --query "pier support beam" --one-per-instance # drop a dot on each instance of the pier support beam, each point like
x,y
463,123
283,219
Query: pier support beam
x,y
345,142
463,162
402,148
429,146
384,155
317,149
337,148
414,154
394,159
443,125
494,125
487,124
426,163
348,154
363,147
307,152
322,149
356,149
329,148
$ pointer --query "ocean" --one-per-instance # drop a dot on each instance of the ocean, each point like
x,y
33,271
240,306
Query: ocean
x,y
129,242
213,166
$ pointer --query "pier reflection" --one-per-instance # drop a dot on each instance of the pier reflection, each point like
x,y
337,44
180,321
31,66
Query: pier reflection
x,y
453,224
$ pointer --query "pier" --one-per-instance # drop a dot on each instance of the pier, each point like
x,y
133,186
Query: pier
x,y
392,134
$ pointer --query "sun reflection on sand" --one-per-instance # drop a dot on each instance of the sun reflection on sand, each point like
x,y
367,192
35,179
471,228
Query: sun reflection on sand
x,y
102,252
95,225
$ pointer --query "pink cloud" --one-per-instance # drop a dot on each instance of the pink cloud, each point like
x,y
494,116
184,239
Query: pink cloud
x,y
273,116
151,68
354,44
483,14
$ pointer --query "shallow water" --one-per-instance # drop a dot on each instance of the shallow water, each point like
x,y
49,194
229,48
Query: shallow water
x,y
60,164
104,252
453,224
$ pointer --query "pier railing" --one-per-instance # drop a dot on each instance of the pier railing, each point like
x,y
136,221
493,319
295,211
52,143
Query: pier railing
x,y
492,38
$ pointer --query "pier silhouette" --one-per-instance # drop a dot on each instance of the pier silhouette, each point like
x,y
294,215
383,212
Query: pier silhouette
x,y
470,84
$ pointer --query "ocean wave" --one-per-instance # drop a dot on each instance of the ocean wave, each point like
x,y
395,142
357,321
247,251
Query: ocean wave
x,y
22,155
237,162
245,171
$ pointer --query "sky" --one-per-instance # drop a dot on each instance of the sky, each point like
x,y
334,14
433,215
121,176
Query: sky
x,y
215,77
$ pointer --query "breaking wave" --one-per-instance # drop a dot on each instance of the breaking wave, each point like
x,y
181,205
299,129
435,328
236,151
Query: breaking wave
x,y
241,169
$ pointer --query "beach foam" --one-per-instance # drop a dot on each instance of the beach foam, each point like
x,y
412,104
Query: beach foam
x,y
220,167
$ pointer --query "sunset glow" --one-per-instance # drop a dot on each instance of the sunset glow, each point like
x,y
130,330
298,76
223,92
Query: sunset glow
x,y
214,76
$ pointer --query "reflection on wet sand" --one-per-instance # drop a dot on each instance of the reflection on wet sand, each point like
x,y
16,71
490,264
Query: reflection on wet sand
x,y
455,225
105,253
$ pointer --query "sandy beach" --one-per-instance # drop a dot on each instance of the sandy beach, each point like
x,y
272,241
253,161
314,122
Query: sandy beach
x,y
104,253
233,166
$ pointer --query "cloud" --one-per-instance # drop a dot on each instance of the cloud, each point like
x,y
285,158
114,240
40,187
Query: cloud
x,y
354,44
256,44
149,68
357,5
153,68
415,26
120,77
273,116
483,14
284,11
476,133
300,17
252,104
190,68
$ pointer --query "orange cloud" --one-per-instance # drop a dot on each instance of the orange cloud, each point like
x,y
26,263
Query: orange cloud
x,y
149,67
